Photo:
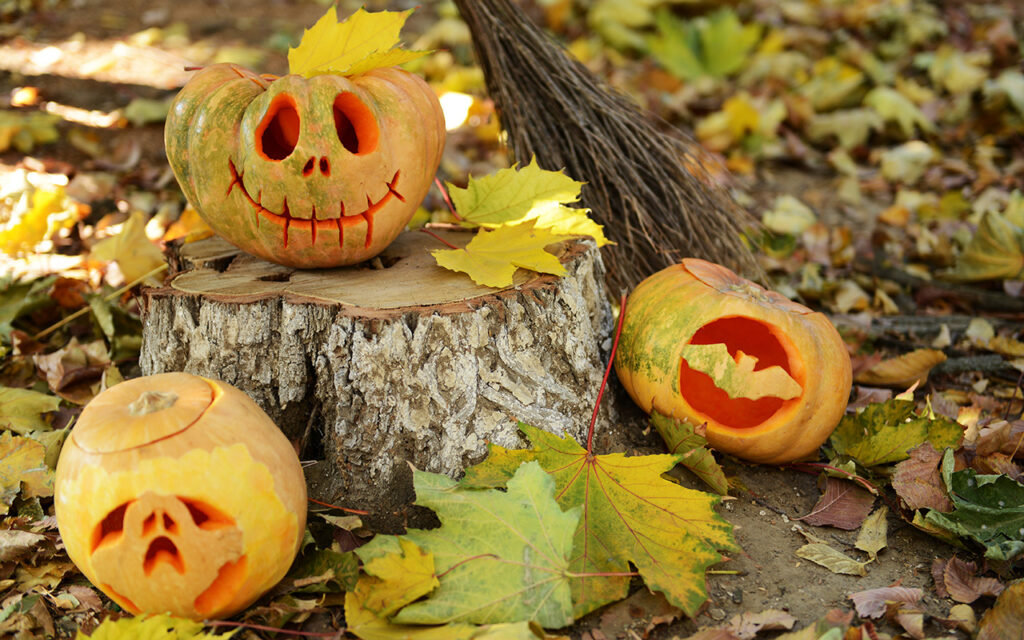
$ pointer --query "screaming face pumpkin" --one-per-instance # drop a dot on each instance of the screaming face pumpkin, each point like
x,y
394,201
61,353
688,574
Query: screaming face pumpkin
x,y
768,376
306,172
177,494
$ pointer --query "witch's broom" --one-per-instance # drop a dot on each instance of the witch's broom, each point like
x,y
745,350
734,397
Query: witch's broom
x,y
648,187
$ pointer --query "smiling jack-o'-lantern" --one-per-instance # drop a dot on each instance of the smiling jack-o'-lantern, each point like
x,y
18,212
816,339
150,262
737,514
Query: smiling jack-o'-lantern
x,y
175,493
768,376
307,172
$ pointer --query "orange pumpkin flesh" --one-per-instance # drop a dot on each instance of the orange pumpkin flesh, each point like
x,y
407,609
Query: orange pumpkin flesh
x,y
176,493
768,376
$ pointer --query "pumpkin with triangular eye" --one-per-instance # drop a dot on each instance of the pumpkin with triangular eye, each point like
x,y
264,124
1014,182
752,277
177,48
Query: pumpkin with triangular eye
x,y
176,493
307,172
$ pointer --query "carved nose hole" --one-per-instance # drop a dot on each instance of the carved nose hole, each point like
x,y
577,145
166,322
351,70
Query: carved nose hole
x,y
170,526
308,169
325,166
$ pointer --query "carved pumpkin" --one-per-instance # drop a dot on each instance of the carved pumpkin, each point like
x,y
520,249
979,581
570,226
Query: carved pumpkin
x,y
305,172
176,493
770,377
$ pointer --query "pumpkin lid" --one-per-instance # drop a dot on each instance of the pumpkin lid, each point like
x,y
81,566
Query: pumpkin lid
x,y
143,410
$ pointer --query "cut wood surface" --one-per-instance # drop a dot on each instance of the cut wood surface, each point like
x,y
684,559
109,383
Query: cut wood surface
x,y
390,362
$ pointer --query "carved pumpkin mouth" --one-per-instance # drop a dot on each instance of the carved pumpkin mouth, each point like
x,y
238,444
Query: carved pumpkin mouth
x,y
286,221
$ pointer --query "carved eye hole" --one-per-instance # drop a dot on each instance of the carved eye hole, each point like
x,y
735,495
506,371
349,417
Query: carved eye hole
x,y
355,125
278,132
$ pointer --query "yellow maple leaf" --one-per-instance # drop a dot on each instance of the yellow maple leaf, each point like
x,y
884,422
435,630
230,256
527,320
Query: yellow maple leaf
x,y
35,214
492,257
514,195
736,376
363,41
131,249
397,579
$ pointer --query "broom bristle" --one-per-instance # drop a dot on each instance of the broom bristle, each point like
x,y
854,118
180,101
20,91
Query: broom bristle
x,y
647,187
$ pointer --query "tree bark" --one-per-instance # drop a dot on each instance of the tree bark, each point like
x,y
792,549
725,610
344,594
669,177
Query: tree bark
x,y
370,368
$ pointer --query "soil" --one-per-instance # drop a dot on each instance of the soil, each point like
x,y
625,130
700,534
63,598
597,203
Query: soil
x,y
765,511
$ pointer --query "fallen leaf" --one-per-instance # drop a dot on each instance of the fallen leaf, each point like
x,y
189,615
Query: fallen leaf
x,y
886,432
957,71
851,127
907,162
960,582
401,578
987,509
492,257
996,251
833,84
135,255
842,505
1005,620
500,556
748,624
873,533
789,215
833,560
22,470
902,371
644,610
893,106
685,439
715,45
16,543
74,372
918,482
153,627
629,509
873,603
831,626
29,214
21,410
363,41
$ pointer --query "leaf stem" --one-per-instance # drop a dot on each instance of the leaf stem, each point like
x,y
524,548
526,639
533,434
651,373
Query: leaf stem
x,y
607,371
84,310
334,506
261,627
438,238
447,199
464,561
827,467
603,574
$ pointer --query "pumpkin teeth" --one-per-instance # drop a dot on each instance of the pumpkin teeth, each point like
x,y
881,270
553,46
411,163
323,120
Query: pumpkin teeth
x,y
287,221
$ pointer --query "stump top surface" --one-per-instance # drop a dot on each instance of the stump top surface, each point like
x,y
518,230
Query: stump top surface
x,y
403,277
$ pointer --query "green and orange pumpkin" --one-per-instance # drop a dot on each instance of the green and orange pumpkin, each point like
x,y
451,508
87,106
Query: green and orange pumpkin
x,y
176,493
307,172
769,377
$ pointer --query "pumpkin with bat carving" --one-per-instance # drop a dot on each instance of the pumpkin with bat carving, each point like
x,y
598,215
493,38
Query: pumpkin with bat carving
x,y
307,172
176,493
769,377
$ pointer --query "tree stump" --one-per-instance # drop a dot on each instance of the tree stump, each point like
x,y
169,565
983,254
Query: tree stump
x,y
392,361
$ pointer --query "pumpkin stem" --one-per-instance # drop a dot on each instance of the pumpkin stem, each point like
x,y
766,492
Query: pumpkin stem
x,y
607,371
151,402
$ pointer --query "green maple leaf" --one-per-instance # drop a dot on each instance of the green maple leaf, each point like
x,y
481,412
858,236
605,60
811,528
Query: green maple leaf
x,y
499,556
884,432
631,514
988,509
716,45
514,195
492,257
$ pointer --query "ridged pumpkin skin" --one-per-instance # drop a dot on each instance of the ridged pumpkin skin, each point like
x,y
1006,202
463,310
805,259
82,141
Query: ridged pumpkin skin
x,y
687,311
306,172
176,493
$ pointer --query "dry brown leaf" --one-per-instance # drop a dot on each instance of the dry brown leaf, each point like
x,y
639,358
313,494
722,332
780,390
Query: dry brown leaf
x,y
902,371
873,603
872,537
918,482
642,610
747,625
833,560
842,505
1005,620
960,582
